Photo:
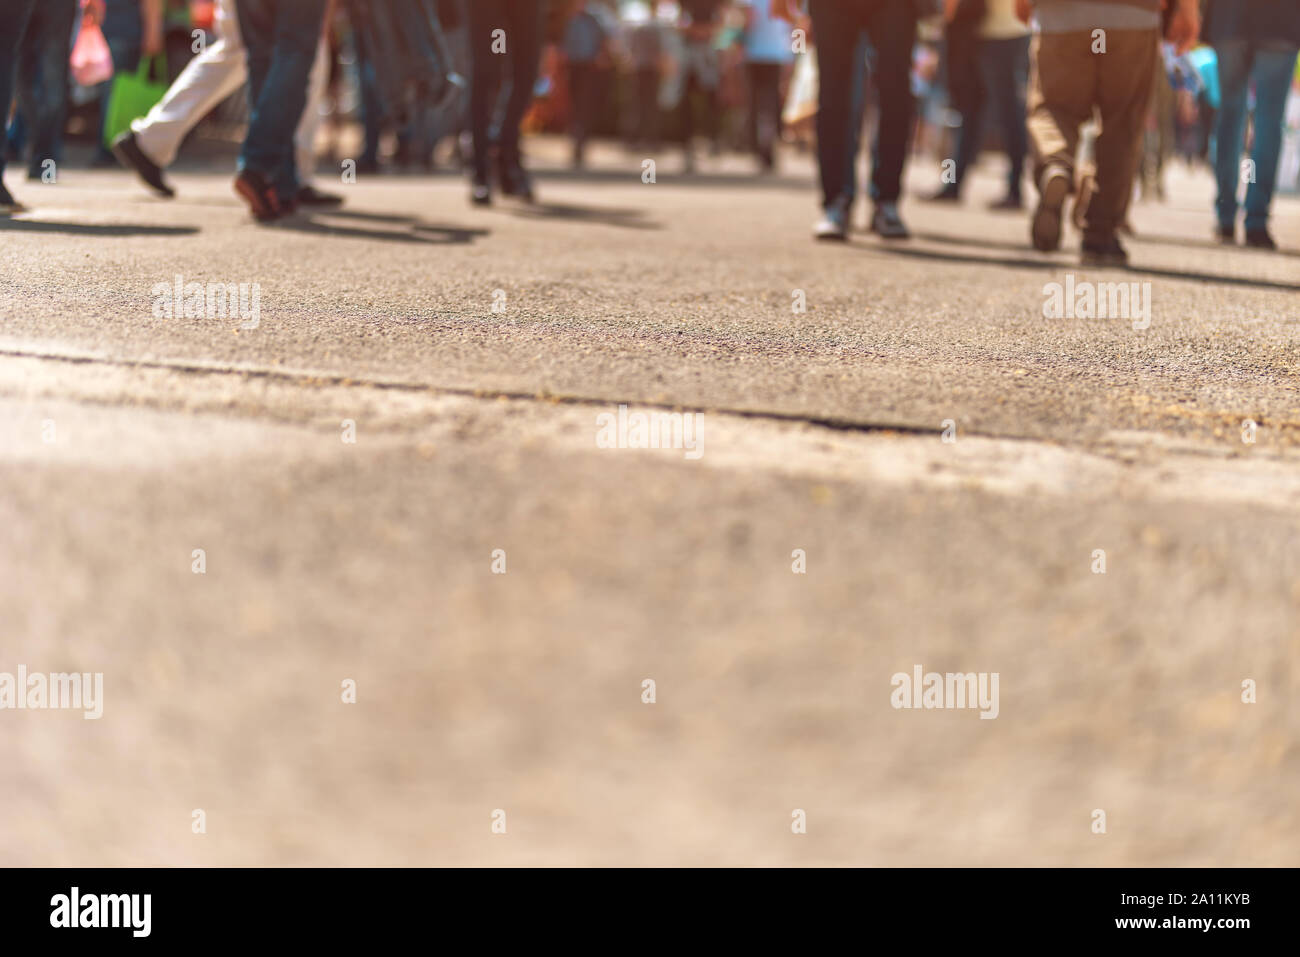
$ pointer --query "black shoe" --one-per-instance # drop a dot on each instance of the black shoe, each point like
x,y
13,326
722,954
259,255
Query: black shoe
x,y
515,182
7,202
257,191
1103,252
1225,234
311,196
887,224
1007,204
1260,239
834,224
130,155
1045,227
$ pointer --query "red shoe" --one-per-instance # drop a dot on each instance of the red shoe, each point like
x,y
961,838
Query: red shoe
x,y
259,194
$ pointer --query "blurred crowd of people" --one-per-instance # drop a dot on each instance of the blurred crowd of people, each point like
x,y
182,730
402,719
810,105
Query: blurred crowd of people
x,y
1087,99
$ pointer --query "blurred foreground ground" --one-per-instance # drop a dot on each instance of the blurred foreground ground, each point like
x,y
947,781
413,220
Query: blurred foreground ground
x,y
475,431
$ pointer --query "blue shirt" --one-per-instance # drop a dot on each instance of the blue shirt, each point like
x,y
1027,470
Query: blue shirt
x,y
768,38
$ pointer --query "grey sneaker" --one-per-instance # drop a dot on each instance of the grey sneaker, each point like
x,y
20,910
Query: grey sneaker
x,y
887,224
834,224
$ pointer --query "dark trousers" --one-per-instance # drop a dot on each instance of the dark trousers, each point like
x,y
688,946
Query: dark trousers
x,y
14,15
961,61
281,38
890,25
372,104
702,81
584,87
1003,77
501,84
645,130
764,109
43,78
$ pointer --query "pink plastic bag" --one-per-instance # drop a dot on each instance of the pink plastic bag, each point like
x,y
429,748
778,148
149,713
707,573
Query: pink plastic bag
x,y
91,60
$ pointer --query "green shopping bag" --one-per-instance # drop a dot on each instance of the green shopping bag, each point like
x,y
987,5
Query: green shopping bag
x,y
133,95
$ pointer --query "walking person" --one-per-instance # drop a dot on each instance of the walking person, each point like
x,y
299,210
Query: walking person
x,y
769,50
992,56
840,30
1256,42
152,142
586,41
1093,54
14,16
1158,143
505,52
701,73
133,30
42,81
645,51
965,88
281,37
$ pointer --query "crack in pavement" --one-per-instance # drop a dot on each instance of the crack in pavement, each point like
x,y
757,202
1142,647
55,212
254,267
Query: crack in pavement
x,y
316,379
172,420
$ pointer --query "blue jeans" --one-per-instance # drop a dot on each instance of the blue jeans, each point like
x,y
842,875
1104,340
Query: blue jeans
x,y
372,103
281,38
43,79
1270,67
14,15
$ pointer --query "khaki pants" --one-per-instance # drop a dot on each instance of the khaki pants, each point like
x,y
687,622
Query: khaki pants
x,y
1066,81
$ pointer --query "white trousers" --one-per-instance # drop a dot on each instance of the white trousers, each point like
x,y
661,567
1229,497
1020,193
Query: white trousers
x,y
209,78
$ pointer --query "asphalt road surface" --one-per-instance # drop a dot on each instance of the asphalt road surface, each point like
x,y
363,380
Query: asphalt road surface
x,y
395,475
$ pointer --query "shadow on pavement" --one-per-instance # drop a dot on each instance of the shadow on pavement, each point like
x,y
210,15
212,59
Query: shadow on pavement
x,y
1035,262
599,215
670,174
1208,244
430,234
1153,238
106,230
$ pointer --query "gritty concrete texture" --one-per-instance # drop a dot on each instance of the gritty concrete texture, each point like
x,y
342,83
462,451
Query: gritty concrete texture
x,y
128,441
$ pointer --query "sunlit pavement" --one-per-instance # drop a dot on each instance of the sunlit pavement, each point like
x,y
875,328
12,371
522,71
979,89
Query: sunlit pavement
x,y
387,465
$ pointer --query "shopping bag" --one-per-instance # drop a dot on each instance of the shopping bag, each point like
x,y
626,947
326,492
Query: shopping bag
x,y
801,101
133,95
91,61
